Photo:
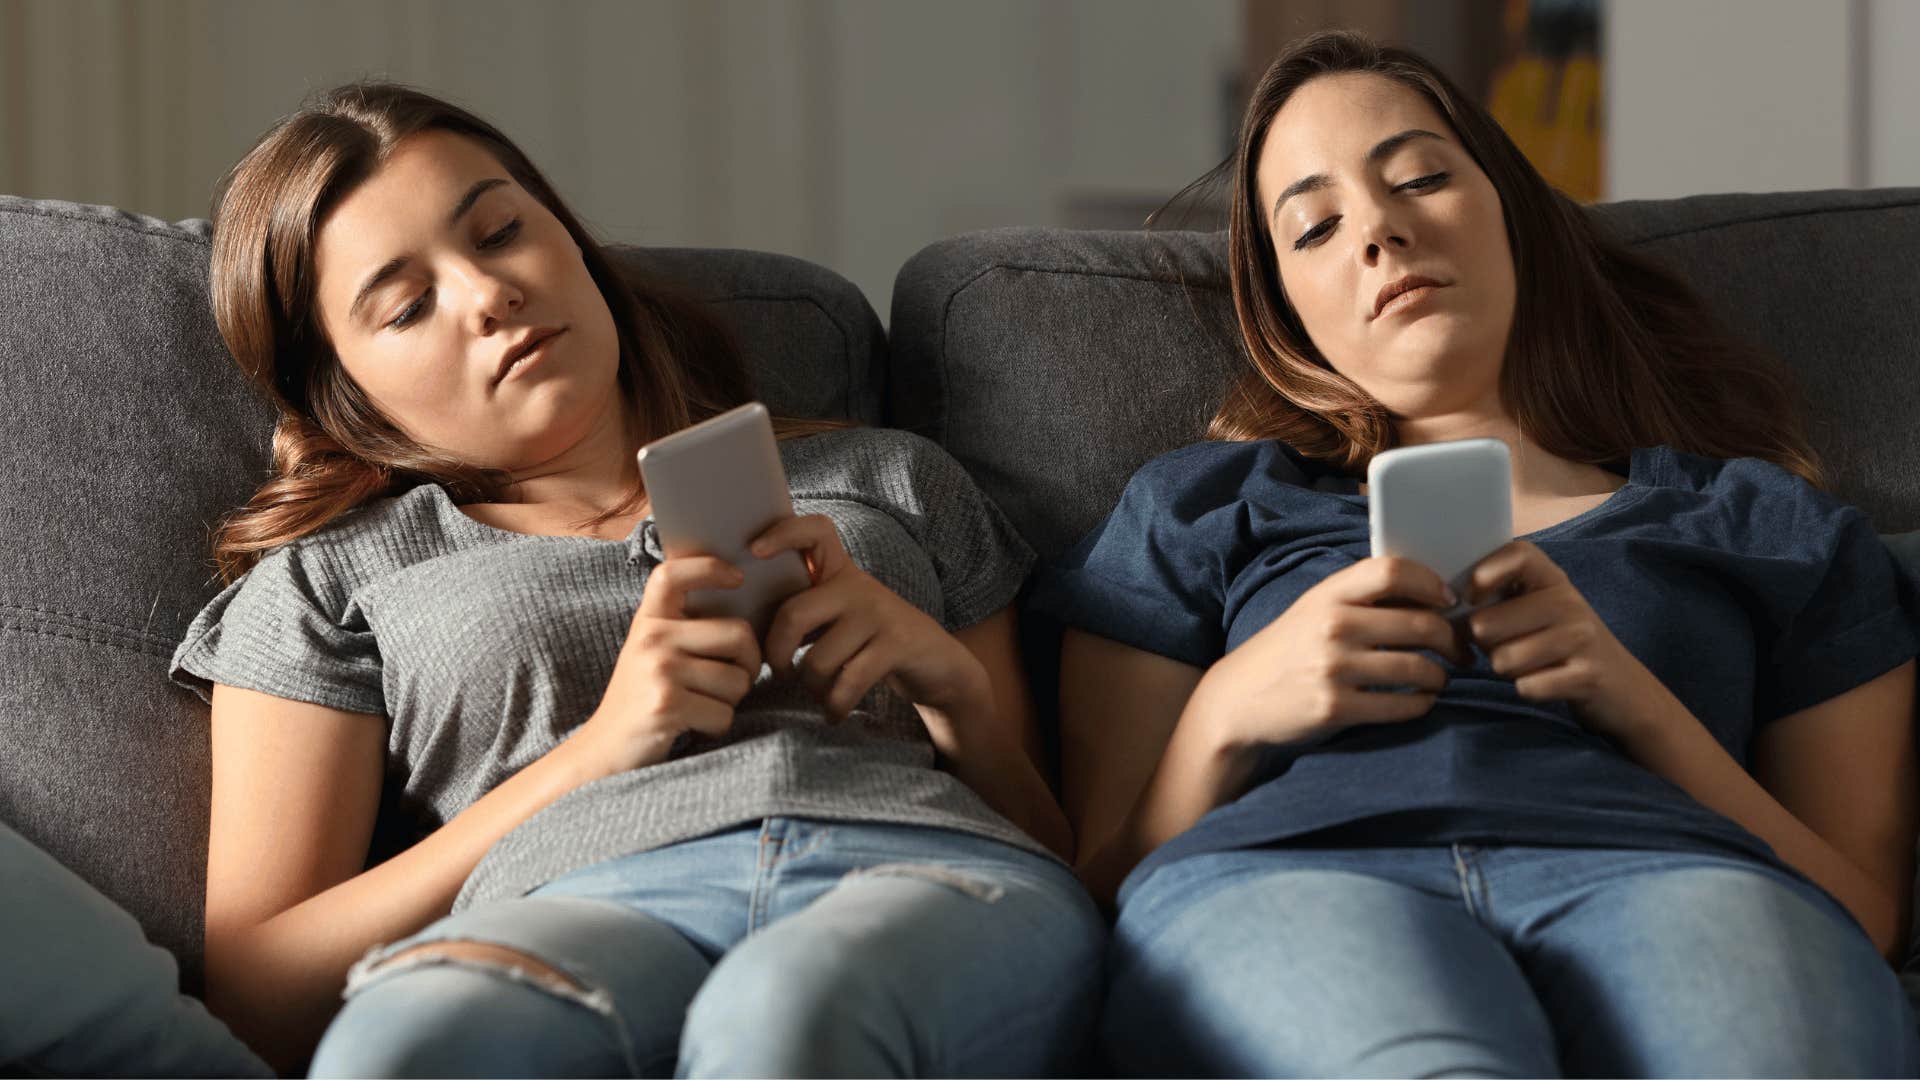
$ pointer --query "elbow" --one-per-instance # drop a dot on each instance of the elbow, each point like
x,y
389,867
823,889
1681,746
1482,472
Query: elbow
x,y
1880,915
236,994
1892,946
1096,871
1890,937
222,957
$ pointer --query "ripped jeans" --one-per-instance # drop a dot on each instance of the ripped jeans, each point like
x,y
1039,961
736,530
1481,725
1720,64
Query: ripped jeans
x,y
791,948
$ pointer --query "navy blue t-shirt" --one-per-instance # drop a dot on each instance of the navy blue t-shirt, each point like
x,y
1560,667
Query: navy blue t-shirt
x,y
1747,591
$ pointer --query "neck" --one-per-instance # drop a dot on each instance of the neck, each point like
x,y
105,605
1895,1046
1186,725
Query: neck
x,y
590,477
1537,474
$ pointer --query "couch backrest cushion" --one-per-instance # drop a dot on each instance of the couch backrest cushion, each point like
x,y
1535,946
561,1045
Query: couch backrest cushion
x,y
128,432
1053,363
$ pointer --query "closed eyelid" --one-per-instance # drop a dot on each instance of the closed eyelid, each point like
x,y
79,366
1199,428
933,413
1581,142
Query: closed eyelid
x,y
490,239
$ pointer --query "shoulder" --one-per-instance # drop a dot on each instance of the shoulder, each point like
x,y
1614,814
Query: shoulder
x,y
1743,484
1747,507
872,461
1205,475
362,545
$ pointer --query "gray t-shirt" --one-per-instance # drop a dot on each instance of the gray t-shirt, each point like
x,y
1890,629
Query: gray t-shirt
x,y
483,649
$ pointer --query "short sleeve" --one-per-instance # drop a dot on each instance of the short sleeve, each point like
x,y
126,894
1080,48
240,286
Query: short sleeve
x,y
978,556
284,629
938,519
1154,574
1850,613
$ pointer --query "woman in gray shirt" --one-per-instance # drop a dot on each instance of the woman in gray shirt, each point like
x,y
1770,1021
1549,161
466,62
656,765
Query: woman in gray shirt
x,y
646,849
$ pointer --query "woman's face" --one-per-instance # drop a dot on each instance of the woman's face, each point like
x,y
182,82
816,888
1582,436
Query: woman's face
x,y
432,274
1370,192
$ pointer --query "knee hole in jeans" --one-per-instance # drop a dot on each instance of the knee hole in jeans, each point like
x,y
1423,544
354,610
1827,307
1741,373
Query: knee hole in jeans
x,y
986,892
511,964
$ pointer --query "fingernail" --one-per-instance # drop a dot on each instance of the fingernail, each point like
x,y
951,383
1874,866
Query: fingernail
x,y
1452,598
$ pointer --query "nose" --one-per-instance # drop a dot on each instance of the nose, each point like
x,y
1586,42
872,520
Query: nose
x,y
491,298
1380,232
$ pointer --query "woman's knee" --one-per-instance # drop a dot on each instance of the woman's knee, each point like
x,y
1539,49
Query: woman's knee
x,y
474,1009
1311,972
805,992
909,969
1722,969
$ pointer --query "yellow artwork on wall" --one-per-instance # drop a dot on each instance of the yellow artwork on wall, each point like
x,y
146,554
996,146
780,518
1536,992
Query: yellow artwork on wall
x,y
1547,94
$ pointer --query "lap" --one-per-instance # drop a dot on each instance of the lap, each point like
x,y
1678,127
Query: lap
x,y
604,993
1662,962
977,959
1304,966
1637,962
931,929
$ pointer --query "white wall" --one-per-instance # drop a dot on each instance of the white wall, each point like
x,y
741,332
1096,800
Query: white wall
x,y
849,132
1760,95
1893,96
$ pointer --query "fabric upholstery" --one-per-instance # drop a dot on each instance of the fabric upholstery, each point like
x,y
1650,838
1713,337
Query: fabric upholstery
x,y
128,432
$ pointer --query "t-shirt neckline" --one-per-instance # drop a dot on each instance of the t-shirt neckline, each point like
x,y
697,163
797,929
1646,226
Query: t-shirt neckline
x,y
1643,470
481,528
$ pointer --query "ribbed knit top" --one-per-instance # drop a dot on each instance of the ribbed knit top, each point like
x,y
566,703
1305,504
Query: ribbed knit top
x,y
483,649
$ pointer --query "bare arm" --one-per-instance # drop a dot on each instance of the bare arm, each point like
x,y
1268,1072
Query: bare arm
x,y
1832,788
1001,752
1120,709
1151,744
295,789
1832,791
969,688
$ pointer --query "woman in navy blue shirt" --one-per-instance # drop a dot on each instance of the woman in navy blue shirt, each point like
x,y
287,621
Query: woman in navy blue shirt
x,y
1649,811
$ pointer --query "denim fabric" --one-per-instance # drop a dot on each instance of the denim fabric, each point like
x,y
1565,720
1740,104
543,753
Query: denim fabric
x,y
793,948
1510,961
82,991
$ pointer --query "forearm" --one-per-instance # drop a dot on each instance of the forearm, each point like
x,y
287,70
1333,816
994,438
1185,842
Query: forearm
x,y
1198,771
278,983
1669,741
1003,774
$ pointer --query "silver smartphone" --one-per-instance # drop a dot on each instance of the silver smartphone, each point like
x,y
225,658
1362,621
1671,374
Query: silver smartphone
x,y
1444,505
713,488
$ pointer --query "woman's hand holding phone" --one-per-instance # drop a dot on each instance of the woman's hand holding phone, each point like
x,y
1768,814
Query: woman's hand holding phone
x,y
864,633
674,674
1548,640
1334,658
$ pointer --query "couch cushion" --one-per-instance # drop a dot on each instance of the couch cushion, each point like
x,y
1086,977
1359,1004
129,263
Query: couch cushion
x,y
1053,363
128,432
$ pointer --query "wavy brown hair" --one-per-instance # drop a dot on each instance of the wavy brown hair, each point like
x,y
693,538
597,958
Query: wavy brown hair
x,y
1608,350
333,449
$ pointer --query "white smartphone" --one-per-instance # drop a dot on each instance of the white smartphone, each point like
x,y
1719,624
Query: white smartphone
x,y
713,488
1445,505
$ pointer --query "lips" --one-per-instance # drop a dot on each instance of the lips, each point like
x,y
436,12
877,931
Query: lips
x,y
1399,286
532,340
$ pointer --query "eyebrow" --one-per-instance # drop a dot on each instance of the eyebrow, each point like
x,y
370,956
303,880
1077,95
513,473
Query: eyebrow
x,y
1380,150
395,265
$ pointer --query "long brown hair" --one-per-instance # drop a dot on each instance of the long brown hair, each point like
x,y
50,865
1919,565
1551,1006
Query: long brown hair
x,y
1608,350
333,449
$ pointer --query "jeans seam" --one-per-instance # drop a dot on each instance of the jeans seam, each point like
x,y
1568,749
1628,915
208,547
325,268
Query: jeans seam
x,y
1468,877
758,899
787,851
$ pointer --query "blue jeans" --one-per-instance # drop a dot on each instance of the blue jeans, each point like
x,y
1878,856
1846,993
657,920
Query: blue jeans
x,y
792,948
1495,961
82,991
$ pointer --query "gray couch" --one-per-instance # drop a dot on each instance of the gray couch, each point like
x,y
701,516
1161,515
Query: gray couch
x,y
1051,363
